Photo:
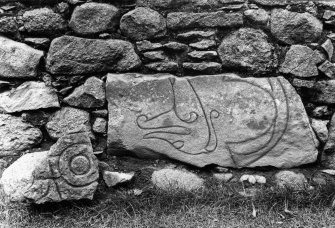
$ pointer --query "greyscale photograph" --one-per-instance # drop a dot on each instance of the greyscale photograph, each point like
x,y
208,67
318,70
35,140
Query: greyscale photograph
x,y
167,114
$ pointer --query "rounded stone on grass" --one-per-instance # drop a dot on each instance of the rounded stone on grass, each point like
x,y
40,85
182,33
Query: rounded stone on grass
x,y
173,179
290,180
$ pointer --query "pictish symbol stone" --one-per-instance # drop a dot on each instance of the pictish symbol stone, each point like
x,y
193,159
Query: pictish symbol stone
x,y
218,119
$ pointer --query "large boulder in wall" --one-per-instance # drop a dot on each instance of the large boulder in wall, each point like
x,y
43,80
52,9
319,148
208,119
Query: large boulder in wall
x,y
69,55
219,119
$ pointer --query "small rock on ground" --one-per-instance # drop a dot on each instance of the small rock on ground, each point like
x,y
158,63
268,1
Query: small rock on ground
x,y
291,180
173,179
114,178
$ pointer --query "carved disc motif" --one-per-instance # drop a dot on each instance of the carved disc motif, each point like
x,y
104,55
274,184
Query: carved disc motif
x,y
76,166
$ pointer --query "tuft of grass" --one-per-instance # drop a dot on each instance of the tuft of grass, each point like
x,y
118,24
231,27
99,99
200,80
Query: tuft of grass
x,y
214,206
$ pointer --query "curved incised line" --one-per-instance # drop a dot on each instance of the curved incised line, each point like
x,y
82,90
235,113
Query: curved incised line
x,y
140,123
273,120
213,141
76,186
193,116
272,143
209,147
67,147
264,133
151,134
88,159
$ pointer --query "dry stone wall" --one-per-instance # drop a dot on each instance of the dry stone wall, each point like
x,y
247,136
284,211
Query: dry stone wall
x,y
154,77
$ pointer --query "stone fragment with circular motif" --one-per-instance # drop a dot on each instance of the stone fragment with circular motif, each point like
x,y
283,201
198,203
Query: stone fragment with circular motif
x,y
68,171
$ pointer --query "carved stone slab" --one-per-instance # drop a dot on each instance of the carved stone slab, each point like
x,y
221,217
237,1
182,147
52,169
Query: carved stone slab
x,y
218,119
68,171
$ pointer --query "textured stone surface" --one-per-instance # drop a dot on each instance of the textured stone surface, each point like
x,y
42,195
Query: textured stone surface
x,y
100,125
32,1
321,112
143,23
18,60
329,48
28,96
89,95
146,45
253,179
203,44
181,20
291,180
293,28
74,55
155,56
185,4
218,119
272,2
175,46
224,177
37,118
320,129
38,42
8,25
323,92
92,17
258,16
301,61
16,135
69,171
43,21
66,120
165,66
328,69
328,14
203,55
204,67
174,179
248,48
196,34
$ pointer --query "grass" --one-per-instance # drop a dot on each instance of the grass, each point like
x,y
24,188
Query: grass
x,y
217,206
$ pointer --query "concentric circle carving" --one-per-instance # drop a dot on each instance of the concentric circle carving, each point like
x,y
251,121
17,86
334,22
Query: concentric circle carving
x,y
77,166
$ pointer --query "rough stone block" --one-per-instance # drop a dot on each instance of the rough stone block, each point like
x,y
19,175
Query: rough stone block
x,y
180,20
28,96
71,55
92,18
219,119
68,171
17,135
18,60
